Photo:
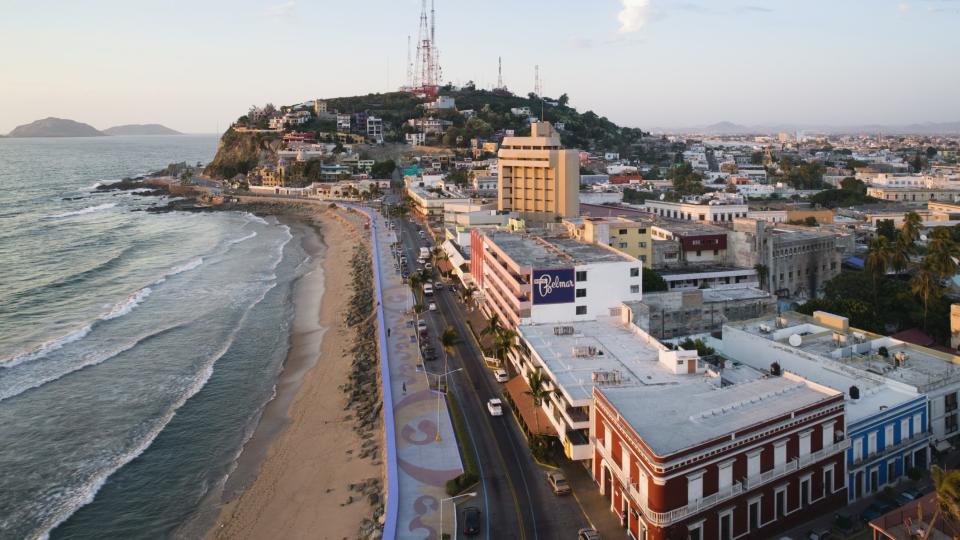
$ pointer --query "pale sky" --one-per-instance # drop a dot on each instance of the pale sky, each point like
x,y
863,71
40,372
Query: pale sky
x,y
196,66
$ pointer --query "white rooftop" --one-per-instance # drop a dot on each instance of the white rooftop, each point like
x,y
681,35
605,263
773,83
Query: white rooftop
x,y
669,420
857,352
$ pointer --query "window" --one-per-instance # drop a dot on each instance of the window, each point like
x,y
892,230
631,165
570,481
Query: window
x,y
780,502
634,272
581,310
753,516
805,492
641,244
827,435
904,429
581,293
891,472
634,289
950,422
857,450
581,275
917,428
753,463
623,231
694,487
871,444
696,532
888,435
780,453
828,481
726,526
725,475
804,443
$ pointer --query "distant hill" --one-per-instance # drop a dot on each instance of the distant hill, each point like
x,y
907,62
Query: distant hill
x,y
730,128
55,127
141,129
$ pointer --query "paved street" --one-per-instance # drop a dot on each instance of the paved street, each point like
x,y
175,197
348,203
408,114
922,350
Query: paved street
x,y
516,500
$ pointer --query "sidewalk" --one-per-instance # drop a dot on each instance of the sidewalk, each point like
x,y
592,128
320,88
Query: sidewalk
x,y
424,464
593,504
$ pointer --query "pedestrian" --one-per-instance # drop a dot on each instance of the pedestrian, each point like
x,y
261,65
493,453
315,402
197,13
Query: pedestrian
x,y
388,332
404,387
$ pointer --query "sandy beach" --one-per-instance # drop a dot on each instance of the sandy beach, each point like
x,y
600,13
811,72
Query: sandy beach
x,y
304,473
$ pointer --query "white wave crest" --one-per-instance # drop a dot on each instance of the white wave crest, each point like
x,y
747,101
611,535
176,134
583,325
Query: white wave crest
x,y
87,210
244,239
255,218
127,305
45,348
185,267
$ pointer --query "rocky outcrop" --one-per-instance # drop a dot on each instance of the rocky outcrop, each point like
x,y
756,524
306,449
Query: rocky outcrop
x,y
141,129
55,127
239,153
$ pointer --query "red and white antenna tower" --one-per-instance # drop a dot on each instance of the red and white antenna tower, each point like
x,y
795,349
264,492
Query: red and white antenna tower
x,y
427,67
536,80
499,73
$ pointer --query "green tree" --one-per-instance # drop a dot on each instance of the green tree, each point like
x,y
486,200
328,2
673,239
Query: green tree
x,y
900,254
652,281
506,341
925,285
538,392
685,180
911,226
887,229
942,254
877,263
449,340
762,273
383,169
946,484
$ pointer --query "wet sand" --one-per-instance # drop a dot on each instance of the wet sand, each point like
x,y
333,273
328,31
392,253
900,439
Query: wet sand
x,y
298,480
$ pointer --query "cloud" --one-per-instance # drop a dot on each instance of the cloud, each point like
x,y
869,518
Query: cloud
x,y
281,12
903,7
634,15
755,9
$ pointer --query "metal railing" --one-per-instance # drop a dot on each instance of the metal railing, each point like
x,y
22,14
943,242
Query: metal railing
x,y
890,449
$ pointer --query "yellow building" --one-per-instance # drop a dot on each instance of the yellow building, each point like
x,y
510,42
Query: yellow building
x,y
538,178
628,236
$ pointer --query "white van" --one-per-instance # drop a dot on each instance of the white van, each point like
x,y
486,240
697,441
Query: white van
x,y
428,290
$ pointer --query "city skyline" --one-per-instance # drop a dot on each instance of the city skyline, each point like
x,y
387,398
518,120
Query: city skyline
x,y
196,70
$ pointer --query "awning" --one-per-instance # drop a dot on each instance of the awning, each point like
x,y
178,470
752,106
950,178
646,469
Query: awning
x,y
444,266
942,446
517,388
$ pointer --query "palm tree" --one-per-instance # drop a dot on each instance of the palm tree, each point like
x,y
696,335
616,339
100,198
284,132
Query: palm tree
x,y
417,280
506,341
942,254
946,484
493,328
878,260
926,285
448,340
900,254
539,392
911,226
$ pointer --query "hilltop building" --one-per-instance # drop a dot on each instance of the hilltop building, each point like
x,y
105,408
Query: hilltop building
x,y
537,177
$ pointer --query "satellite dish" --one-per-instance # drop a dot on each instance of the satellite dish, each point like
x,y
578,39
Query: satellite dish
x,y
795,340
923,237
663,196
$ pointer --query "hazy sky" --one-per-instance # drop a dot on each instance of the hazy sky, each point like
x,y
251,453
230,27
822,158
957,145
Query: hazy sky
x,y
196,66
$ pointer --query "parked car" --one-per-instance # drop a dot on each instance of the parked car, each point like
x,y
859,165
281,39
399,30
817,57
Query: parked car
x,y
819,534
501,375
471,520
558,482
875,510
902,498
422,234
588,534
915,493
495,406
421,324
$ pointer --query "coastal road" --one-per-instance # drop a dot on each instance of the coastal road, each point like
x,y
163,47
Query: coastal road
x,y
513,494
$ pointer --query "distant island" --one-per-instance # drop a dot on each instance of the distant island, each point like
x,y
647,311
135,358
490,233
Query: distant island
x,y
55,127
61,127
141,129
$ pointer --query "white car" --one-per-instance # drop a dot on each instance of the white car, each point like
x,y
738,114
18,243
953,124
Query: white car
x,y
501,375
432,306
437,285
421,324
428,266
495,406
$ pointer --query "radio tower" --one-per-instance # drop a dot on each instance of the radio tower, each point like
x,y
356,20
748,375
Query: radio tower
x,y
536,80
426,69
409,81
499,73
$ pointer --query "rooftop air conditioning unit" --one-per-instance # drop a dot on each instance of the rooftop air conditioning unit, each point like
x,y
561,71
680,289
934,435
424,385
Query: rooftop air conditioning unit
x,y
563,330
859,337
584,351
765,328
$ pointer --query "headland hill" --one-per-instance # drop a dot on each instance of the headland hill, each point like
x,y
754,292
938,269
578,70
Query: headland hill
x,y
62,127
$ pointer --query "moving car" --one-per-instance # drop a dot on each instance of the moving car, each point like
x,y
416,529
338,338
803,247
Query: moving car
x,y
428,266
588,534
438,285
495,406
421,324
471,520
501,375
558,483
432,306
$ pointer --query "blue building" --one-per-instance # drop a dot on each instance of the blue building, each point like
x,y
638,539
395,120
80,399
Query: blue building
x,y
888,433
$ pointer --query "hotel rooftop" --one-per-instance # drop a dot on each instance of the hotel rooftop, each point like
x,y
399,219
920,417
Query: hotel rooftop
x,y
650,386
669,420
856,353
547,251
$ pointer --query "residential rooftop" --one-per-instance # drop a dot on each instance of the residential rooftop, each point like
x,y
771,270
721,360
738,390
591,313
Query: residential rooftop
x,y
669,421
857,352
688,228
553,251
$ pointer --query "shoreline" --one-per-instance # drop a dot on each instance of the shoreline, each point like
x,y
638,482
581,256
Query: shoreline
x,y
298,472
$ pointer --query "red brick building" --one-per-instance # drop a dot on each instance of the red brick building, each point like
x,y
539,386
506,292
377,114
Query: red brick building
x,y
712,461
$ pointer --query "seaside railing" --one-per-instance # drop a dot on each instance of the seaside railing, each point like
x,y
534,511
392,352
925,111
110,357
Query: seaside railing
x,y
390,436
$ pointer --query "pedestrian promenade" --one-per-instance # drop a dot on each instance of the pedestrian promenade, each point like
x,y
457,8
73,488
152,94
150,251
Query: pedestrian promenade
x,y
424,464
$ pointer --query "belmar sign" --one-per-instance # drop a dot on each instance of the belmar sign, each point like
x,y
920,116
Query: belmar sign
x,y
554,286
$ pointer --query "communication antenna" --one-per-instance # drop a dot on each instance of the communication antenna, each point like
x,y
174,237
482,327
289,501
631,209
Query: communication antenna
x,y
499,72
409,65
536,80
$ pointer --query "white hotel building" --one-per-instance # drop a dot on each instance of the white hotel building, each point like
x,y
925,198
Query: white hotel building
x,y
529,279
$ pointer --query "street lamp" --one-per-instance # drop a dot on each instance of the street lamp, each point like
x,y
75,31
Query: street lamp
x,y
471,494
439,393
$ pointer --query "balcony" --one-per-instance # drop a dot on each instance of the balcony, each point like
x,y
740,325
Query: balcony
x,y
663,519
891,449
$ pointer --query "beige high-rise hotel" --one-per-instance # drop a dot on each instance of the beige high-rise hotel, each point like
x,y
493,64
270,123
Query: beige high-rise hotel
x,y
537,177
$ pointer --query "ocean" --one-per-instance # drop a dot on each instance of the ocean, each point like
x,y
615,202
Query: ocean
x,y
137,350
